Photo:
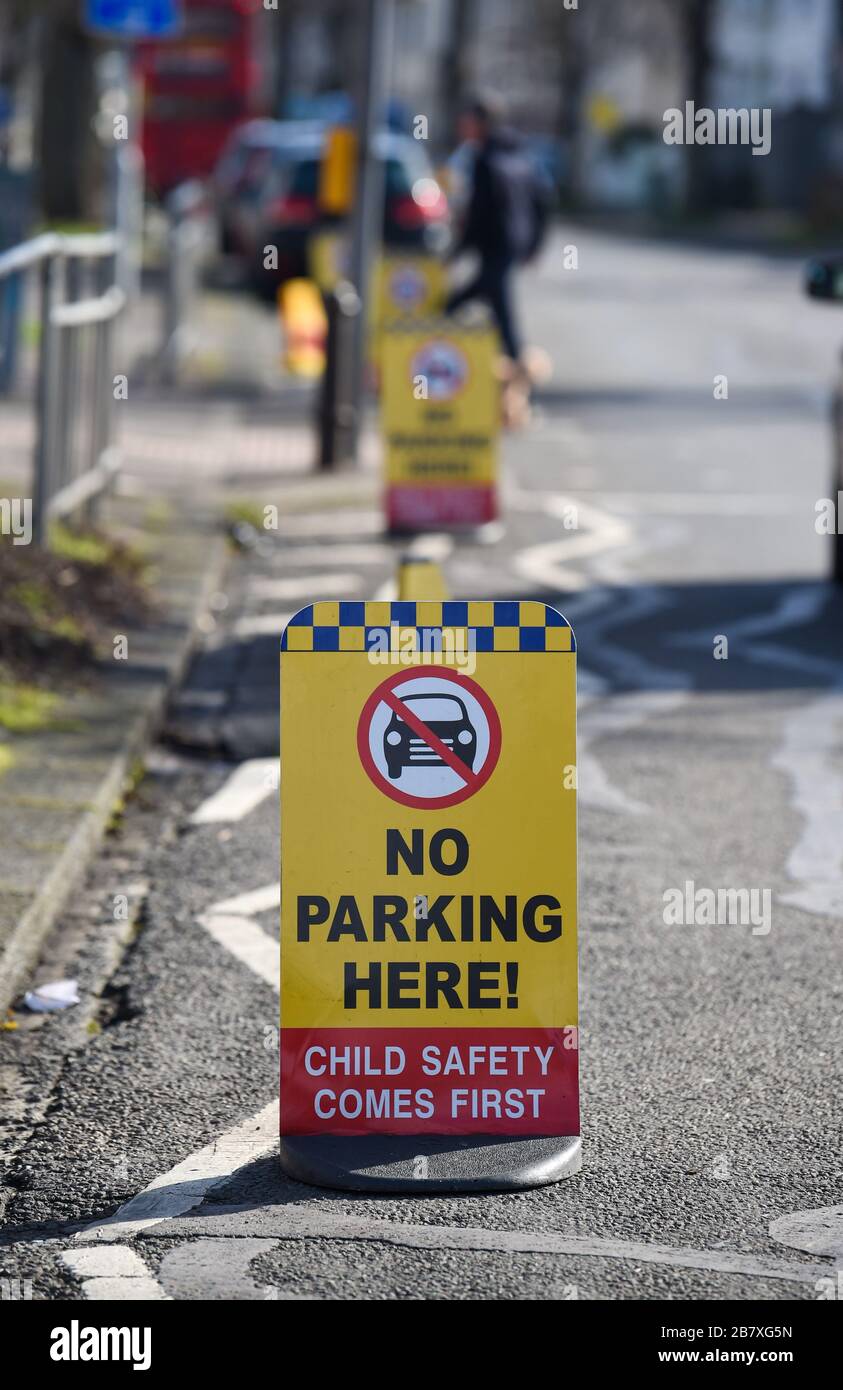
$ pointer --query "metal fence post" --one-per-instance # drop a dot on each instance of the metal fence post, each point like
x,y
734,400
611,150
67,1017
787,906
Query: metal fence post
x,y
46,402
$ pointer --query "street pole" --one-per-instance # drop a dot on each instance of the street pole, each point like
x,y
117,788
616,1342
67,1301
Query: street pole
x,y
128,175
367,218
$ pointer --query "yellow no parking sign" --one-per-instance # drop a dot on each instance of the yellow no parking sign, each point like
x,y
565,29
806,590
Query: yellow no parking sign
x,y
428,856
440,416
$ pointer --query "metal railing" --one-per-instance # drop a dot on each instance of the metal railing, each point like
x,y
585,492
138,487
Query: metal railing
x,y
75,457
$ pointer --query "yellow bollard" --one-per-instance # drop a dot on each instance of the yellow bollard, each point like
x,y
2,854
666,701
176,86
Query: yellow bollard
x,y
420,578
305,327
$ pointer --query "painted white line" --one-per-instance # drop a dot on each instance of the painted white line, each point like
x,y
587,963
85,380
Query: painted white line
x,y
699,503
663,689
113,1272
811,737
547,564
246,941
310,1222
343,522
618,713
245,789
304,587
247,904
262,625
795,608
433,545
183,1187
819,1232
603,719
220,1269
372,553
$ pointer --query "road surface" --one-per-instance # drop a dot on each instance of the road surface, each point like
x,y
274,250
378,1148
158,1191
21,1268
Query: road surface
x,y
662,516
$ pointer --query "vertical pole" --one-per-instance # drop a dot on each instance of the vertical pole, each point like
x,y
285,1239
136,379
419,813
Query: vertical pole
x,y
128,180
46,404
368,211
336,415
67,383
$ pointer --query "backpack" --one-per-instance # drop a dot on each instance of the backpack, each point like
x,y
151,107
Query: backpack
x,y
523,196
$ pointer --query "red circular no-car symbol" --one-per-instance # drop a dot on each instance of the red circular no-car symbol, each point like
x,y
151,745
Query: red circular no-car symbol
x,y
429,737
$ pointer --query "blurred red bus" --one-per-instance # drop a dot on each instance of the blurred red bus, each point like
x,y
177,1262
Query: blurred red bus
x,y
198,87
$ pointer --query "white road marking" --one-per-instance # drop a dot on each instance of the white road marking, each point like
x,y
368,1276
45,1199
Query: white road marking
x,y
230,924
819,1232
625,710
812,735
343,522
247,904
700,503
312,1222
112,1272
433,545
663,689
547,564
795,608
184,1186
219,1269
246,788
262,625
600,720
335,585
372,553
247,942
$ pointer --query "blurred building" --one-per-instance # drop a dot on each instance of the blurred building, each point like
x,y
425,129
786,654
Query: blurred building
x,y
785,55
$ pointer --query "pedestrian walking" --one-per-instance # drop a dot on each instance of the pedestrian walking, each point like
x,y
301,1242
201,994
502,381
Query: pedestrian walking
x,y
505,218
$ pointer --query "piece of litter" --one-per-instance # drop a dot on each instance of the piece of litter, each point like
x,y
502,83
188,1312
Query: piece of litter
x,y
59,994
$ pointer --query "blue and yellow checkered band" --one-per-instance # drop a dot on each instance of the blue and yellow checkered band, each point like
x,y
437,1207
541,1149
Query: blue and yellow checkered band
x,y
484,625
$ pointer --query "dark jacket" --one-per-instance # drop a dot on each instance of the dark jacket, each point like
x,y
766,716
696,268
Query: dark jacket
x,y
504,217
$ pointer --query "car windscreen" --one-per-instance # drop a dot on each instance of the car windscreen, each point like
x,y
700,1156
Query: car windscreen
x,y
399,177
436,707
305,180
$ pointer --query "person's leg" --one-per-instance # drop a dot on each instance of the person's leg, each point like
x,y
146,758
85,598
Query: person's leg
x,y
473,289
497,278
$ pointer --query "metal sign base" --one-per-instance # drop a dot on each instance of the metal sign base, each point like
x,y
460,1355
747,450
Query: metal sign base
x,y
433,1163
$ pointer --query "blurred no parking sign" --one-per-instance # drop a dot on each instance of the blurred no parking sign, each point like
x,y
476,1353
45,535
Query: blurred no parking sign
x,y
134,19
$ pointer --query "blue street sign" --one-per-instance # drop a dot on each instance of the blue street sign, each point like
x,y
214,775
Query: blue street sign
x,y
134,19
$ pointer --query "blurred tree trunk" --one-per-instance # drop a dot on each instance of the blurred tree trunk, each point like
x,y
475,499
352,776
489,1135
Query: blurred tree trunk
x,y
67,144
454,75
287,20
568,33
696,17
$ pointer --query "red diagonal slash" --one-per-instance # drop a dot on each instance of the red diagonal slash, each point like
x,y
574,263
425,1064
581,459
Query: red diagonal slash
x,y
422,731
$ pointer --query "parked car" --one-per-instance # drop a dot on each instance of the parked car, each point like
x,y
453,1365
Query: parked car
x,y
257,157
416,213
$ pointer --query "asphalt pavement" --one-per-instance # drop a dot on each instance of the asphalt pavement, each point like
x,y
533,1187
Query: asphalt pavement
x,y
661,518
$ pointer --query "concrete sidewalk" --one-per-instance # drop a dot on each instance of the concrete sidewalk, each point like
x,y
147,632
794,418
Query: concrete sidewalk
x,y
63,783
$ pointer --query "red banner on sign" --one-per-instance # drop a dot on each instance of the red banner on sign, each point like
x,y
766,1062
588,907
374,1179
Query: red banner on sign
x,y
417,507
518,1081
